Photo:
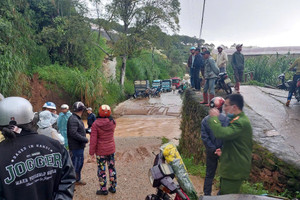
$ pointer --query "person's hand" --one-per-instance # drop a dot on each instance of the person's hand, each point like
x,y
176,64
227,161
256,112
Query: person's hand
x,y
214,112
218,152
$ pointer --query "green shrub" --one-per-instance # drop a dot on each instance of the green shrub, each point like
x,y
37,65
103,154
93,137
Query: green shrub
x,y
192,168
266,68
255,189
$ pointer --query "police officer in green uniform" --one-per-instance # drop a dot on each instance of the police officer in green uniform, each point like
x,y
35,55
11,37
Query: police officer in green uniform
x,y
235,160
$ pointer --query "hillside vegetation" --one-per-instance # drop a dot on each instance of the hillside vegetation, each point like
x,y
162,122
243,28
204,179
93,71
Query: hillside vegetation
x,y
54,39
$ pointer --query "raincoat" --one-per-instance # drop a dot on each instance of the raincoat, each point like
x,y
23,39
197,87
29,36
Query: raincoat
x,y
62,125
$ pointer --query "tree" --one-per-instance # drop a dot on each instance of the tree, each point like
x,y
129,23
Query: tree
x,y
137,16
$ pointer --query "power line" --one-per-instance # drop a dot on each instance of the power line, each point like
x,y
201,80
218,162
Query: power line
x,y
202,19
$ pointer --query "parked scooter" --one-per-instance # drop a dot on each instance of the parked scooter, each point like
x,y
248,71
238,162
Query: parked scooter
x,y
223,82
285,85
161,176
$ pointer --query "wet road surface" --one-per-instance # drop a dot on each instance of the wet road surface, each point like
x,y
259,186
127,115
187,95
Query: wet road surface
x,y
276,126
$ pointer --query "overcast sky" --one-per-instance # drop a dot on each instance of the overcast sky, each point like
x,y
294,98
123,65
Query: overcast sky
x,y
265,23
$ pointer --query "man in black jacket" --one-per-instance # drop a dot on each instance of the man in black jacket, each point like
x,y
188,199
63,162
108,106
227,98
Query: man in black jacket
x,y
90,119
32,166
77,139
212,144
197,65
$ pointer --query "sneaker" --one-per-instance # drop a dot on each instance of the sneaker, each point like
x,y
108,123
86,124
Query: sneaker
x,y
101,192
288,103
112,189
80,183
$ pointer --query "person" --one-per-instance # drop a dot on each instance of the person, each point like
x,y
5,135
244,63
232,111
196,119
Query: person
x,y
191,64
237,63
197,65
222,59
32,166
212,144
90,120
45,126
62,121
236,154
50,106
173,88
296,64
77,139
203,49
211,73
103,145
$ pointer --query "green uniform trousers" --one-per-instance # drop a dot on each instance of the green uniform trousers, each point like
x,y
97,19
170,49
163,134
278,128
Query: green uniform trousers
x,y
228,186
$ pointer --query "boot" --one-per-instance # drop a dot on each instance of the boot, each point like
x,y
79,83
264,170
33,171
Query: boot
x,y
211,96
237,87
205,99
288,103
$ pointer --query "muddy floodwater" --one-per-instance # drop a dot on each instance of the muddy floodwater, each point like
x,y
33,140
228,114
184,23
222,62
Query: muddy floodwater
x,y
150,117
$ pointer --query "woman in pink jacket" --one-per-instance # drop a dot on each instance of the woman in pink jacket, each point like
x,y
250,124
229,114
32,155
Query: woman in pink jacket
x,y
102,144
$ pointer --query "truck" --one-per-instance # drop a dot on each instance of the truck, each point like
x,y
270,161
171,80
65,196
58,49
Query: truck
x,y
141,88
176,82
166,85
156,83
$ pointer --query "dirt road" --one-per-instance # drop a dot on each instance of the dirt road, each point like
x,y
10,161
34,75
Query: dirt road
x,y
140,126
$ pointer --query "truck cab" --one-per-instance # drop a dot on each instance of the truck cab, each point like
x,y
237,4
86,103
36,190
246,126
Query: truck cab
x,y
156,83
166,85
176,81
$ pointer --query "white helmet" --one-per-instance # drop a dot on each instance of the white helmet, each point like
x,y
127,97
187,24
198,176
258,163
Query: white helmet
x,y
50,105
64,106
15,109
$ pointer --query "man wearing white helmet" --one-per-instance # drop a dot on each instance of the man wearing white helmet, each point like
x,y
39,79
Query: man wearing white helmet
x,y
222,59
50,106
62,122
34,166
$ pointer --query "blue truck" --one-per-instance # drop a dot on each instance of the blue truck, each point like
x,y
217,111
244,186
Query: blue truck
x,y
166,85
156,84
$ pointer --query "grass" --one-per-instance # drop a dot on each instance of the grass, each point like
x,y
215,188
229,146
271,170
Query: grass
x,y
194,169
164,140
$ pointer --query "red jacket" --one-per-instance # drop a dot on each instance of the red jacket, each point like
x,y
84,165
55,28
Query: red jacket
x,y
102,141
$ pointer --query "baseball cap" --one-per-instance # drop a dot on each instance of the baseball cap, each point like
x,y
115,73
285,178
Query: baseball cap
x,y
193,48
89,108
239,45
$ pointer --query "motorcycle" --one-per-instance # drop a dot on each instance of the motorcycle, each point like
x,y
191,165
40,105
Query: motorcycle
x,y
161,176
223,82
285,85
155,92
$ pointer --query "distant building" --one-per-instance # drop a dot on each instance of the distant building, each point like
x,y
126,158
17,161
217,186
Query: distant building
x,y
259,51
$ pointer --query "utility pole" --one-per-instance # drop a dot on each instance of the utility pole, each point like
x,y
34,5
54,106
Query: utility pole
x,y
203,9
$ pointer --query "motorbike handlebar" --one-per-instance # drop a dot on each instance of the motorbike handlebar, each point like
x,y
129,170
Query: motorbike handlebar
x,y
178,191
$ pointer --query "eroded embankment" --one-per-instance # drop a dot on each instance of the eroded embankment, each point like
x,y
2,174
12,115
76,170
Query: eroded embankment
x,y
276,174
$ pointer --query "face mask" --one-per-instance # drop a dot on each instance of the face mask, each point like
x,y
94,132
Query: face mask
x,y
230,115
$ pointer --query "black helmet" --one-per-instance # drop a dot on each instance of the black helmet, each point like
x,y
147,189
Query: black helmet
x,y
78,106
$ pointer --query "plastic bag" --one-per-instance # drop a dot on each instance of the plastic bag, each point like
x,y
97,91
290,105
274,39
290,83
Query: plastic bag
x,y
174,159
